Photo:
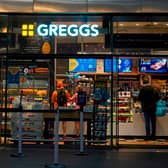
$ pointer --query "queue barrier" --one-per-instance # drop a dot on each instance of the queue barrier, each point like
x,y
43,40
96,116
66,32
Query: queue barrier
x,y
56,134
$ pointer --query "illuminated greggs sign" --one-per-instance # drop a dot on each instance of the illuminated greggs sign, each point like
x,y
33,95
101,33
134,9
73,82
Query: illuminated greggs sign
x,y
61,30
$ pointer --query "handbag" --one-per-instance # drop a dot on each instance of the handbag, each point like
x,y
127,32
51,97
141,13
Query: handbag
x,y
161,108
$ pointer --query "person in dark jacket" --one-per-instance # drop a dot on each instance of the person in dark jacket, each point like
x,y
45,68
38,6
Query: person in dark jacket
x,y
148,97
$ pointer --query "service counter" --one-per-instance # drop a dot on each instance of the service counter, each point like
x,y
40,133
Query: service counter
x,y
66,115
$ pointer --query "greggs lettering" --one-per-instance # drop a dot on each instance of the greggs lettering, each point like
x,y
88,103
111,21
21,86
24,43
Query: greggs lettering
x,y
63,30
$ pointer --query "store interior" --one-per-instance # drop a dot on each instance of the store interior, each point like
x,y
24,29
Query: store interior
x,y
37,83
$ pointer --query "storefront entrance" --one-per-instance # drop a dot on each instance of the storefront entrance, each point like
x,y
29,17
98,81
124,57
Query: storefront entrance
x,y
130,115
104,54
30,83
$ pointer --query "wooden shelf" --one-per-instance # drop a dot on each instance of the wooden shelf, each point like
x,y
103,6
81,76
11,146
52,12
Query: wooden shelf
x,y
124,73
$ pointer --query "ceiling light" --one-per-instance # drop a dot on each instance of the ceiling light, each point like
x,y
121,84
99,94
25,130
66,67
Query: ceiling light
x,y
155,23
121,24
137,24
167,24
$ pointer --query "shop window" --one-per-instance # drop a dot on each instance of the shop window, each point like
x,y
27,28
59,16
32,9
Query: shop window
x,y
65,48
62,66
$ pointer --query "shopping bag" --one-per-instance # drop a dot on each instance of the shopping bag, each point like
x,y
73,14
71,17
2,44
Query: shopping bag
x,y
161,108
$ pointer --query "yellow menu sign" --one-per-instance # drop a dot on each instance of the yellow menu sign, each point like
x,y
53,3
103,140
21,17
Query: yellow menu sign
x,y
73,64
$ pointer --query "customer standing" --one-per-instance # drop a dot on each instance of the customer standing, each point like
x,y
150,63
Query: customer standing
x,y
74,99
148,97
60,97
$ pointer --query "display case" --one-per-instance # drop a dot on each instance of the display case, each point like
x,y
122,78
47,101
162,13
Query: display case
x,y
125,110
101,112
100,123
32,126
34,84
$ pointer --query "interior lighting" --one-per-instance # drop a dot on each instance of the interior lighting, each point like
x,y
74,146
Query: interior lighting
x,y
155,23
31,27
31,33
24,33
4,30
24,27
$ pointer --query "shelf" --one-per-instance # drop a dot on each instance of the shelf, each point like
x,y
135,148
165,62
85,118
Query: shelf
x,y
123,101
123,114
8,122
109,73
120,97
99,129
94,73
36,87
124,109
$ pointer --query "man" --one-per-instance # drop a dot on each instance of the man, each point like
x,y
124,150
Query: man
x,y
56,99
148,97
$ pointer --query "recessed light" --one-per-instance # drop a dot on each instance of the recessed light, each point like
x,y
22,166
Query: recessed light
x,y
137,24
121,24
155,23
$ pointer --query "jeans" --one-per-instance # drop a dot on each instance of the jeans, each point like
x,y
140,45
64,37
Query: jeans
x,y
150,117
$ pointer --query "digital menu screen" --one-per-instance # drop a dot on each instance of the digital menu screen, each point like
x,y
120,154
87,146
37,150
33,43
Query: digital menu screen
x,y
153,65
82,65
124,65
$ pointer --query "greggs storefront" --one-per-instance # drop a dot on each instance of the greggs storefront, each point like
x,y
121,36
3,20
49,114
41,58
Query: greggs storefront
x,y
104,54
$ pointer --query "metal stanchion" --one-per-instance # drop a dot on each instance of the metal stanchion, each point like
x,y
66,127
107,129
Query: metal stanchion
x,y
81,153
56,145
20,153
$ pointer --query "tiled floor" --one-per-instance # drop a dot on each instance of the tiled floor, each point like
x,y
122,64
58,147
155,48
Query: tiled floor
x,y
142,142
124,158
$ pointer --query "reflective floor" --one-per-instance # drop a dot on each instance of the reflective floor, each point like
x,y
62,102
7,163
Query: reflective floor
x,y
38,157
142,142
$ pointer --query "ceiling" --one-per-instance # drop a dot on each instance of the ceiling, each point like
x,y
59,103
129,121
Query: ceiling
x,y
83,6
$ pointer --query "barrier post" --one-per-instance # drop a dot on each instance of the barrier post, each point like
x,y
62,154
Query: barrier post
x,y
81,133
81,153
20,153
56,143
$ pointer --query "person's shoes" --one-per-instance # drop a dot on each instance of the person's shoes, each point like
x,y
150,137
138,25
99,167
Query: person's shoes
x,y
153,138
147,138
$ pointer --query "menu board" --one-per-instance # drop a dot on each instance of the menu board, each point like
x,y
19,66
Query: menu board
x,y
82,65
124,65
153,65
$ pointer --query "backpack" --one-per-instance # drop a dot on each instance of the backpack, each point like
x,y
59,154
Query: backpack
x,y
61,97
81,99
161,108
97,94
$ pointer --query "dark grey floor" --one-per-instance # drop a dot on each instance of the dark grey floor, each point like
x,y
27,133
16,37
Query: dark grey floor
x,y
97,158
